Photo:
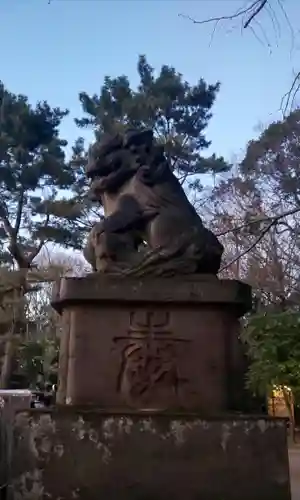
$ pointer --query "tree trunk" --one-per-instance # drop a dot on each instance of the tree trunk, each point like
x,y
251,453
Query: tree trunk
x,y
11,337
6,367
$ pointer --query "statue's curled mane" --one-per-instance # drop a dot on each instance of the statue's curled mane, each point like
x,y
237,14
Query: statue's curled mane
x,y
115,159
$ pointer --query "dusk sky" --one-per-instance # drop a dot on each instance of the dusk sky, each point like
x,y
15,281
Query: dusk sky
x,y
54,51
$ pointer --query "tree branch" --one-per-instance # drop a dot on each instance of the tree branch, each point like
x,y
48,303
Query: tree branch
x,y
257,221
13,246
255,13
35,252
19,212
252,10
289,96
261,236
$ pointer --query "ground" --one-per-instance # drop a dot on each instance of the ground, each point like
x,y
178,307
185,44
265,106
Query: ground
x,y
294,454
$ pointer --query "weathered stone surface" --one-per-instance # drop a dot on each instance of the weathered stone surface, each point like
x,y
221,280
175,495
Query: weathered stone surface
x,y
92,455
197,290
144,202
163,344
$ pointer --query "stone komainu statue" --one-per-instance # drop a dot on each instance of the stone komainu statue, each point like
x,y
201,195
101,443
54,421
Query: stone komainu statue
x,y
144,203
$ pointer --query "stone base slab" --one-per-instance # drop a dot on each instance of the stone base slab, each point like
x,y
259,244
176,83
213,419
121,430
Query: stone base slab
x,y
100,288
91,455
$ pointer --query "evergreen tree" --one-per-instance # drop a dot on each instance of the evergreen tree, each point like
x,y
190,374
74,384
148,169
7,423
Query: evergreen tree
x,y
177,111
33,171
33,175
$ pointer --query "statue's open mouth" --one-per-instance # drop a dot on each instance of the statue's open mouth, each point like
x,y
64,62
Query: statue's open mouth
x,y
95,172
102,168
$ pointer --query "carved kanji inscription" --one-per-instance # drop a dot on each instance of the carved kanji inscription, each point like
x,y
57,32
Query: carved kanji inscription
x,y
149,355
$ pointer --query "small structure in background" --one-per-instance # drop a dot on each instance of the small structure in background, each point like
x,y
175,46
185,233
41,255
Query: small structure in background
x,y
15,399
279,406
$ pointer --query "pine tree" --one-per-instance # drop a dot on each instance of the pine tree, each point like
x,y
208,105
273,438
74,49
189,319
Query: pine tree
x,y
177,111
33,175
33,171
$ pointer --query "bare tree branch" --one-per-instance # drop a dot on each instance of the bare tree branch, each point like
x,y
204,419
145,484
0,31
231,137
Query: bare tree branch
x,y
255,13
261,236
252,11
249,15
19,212
288,99
33,254
277,218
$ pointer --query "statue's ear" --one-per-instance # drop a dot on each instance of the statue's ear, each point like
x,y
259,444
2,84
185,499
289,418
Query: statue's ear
x,y
138,138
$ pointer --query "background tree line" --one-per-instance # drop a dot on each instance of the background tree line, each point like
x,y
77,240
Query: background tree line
x,y
252,204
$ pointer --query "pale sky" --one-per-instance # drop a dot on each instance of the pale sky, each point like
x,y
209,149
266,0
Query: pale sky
x,y
54,51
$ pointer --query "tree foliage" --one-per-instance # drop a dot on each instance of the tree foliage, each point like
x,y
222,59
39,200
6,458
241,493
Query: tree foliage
x,y
259,204
177,111
37,361
35,340
273,159
257,210
273,346
35,204
33,173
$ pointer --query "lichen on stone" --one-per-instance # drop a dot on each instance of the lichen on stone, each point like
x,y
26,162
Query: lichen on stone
x,y
29,486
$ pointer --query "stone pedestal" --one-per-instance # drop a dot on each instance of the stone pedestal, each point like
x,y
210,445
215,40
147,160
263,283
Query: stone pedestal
x,y
150,374
160,344
92,455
